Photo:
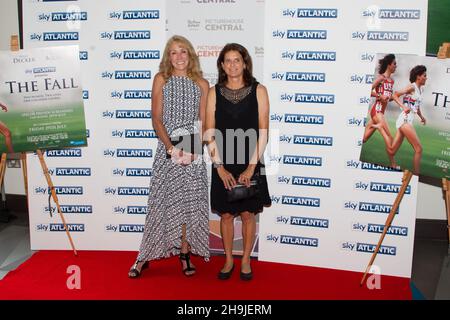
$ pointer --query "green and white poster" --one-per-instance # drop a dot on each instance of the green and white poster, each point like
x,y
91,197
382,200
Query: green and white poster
x,y
411,131
41,102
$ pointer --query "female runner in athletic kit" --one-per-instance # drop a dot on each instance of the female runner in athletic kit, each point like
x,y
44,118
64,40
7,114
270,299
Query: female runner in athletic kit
x,y
382,89
412,101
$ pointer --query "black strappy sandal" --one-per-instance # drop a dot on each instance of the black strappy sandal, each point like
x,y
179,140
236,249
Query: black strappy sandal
x,y
134,272
187,257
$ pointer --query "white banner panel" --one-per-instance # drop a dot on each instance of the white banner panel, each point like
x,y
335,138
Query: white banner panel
x,y
329,208
210,25
120,48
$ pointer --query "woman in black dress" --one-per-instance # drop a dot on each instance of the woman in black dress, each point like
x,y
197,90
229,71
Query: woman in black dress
x,y
237,121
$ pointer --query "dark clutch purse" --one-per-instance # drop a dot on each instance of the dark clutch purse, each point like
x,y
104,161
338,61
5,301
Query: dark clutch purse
x,y
190,143
241,192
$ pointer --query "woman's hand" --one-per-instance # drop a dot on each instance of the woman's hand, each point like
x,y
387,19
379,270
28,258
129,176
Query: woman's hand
x,y
180,157
227,178
246,176
423,120
406,110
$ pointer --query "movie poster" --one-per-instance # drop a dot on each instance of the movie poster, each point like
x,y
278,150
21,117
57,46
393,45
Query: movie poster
x,y
41,99
408,123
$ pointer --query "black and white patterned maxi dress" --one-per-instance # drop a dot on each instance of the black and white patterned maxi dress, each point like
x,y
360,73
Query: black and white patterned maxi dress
x,y
178,194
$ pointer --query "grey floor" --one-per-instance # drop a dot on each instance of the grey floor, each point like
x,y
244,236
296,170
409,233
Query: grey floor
x,y
430,273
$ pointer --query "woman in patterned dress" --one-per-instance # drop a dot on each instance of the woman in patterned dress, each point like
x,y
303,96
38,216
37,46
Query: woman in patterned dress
x,y
238,117
177,221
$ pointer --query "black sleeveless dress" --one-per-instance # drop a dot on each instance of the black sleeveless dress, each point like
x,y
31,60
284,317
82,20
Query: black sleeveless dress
x,y
237,110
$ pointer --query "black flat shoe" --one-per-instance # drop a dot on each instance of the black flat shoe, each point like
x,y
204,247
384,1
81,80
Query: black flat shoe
x,y
246,276
225,275
188,270
134,271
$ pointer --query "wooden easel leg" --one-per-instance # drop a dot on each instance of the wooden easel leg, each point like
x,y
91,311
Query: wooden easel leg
x,y
405,181
446,187
2,167
24,171
55,197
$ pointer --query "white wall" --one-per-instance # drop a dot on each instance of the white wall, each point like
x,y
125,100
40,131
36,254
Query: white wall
x,y
430,203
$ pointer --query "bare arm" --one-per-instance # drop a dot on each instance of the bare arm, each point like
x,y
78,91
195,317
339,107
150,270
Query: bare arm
x,y
263,122
157,111
375,84
209,136
397,94
204,87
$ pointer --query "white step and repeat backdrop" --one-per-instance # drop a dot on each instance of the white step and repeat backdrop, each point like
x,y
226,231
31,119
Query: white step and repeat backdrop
x,y
328,208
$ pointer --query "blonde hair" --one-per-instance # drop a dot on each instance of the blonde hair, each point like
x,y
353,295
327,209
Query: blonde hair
x,y
165,67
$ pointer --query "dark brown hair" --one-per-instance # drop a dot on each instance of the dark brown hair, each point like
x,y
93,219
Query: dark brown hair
x,y
416,71
248,70
383,63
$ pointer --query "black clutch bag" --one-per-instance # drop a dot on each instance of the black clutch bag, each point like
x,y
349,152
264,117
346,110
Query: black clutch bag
x,y
241,191
190,143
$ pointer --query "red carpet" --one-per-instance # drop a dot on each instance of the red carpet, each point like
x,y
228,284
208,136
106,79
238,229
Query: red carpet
x,y
104,276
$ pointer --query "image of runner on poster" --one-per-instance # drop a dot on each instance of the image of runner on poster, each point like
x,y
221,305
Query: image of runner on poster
x,y
408,122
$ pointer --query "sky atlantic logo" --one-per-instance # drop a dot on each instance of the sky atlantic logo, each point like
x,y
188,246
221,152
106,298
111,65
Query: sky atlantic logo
x,y
127,191
303,221
71,209
80,172
362,79
355,164
305,181
128,153
132,172
127,228
299,76
395,14
135,15
293,240
298,118
388,187
310,13
302,160
126,35
127,74
381,35
135,55
132,94
308,55
63,16
130,210
300,201
368,248
55,36
300,34
379,228
59,227
127,114
134,133
307,98
369,207
64,153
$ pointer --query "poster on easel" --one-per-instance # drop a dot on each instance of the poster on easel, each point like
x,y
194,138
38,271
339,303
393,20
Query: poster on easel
x,y
41,99
408,121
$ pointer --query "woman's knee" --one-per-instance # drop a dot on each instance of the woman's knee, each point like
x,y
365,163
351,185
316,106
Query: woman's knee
x,y
247,217
418,149
227,217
